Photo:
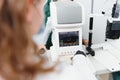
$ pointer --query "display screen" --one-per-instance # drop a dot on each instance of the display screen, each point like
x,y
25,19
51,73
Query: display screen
x,y
68,38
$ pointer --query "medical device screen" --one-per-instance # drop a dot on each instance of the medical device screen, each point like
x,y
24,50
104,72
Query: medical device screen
x,y
69,38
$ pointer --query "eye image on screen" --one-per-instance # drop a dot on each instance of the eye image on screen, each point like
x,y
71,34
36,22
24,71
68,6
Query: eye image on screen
x,y
68,38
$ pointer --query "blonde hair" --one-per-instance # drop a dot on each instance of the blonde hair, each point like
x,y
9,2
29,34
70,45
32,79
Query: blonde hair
x,y
16,43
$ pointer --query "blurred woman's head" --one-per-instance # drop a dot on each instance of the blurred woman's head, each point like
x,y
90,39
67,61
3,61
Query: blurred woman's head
x,y
19,20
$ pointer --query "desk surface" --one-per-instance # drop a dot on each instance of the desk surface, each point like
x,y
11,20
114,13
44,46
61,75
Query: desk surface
x,y
109,59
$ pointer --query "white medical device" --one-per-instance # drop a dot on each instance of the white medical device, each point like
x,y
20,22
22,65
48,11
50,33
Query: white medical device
x,y
67,22
104,26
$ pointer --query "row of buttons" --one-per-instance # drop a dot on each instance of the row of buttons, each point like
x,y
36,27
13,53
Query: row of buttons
x,y
68,53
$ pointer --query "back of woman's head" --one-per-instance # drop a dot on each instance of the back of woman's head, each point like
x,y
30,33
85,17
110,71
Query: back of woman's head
x,y
18,58
13,24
